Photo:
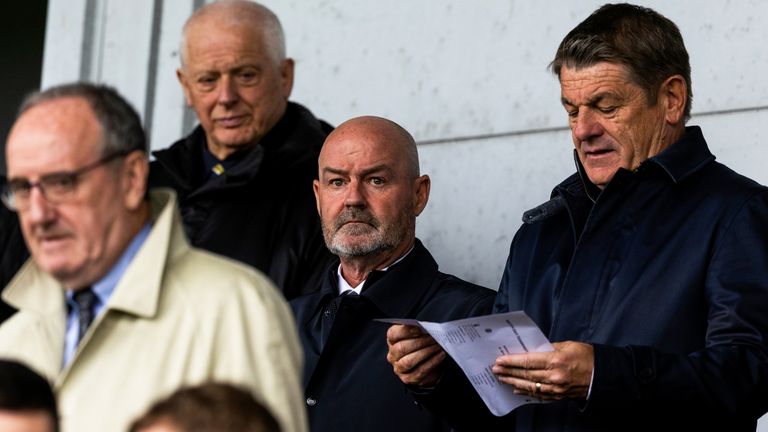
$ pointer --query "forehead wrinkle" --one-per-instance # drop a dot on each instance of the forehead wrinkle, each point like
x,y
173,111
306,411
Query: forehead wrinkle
x,y
332,170
392,140
361,173
596,86
66,123
225,66
224,41
376,169
249,20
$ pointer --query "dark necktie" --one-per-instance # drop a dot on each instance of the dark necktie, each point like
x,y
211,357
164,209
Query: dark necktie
x,y
330,315
86,300
334,305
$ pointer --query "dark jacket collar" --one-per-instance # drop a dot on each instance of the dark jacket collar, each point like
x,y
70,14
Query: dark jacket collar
x,y
683,158
686,156
395,292
576,194
286,145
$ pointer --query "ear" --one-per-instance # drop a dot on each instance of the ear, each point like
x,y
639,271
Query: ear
x,y
183,80
673,95
286,75
421,188
135,170
316,188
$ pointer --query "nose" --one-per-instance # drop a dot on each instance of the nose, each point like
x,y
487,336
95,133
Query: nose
x,y
227,91
40,211
586,125
355,195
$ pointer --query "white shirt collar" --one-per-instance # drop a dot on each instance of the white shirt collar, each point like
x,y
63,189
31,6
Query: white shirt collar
x,y
344,286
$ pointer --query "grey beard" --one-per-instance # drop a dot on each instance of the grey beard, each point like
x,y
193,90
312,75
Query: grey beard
x,y
372,238
372,246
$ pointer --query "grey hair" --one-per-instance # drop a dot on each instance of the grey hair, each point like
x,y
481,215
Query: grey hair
x,y
120,124
241,13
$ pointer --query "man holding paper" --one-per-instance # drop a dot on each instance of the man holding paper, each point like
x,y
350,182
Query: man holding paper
x,y
369,194
649,262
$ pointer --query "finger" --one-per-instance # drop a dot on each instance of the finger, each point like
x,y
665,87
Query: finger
x,y
533,375
543,391
426,374
521,387
532,360
408,346
399,332
558,346
547,389
557,379
406,363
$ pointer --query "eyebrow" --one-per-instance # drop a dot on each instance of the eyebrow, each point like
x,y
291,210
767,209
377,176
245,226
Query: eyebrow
x,y
241,67
594,100
42,176
363,173
234,69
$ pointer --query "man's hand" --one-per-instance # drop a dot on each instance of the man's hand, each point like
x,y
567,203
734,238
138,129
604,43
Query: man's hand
x,y
414,355
561,374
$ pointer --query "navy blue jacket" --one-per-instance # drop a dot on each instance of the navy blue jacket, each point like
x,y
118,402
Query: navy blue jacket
x,y
666,272
348,383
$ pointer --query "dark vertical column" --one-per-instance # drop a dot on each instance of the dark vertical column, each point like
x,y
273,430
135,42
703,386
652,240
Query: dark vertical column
x,y
22,37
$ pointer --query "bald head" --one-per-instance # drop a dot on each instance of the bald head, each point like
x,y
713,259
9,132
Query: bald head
x,y
237,14
369,193
383,131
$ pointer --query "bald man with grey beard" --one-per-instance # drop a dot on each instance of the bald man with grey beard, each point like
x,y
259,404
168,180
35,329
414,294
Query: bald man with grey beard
x,y
369,192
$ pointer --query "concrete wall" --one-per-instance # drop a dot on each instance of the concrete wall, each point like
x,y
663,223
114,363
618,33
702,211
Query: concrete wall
x,y
467,78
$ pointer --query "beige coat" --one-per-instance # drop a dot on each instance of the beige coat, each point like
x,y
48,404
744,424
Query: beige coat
x,y
178,316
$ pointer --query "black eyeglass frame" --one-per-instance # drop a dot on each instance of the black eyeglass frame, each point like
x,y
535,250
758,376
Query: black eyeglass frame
x,y
69,178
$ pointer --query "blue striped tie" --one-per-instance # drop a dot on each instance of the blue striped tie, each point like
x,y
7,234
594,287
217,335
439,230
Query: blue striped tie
x,y
86,300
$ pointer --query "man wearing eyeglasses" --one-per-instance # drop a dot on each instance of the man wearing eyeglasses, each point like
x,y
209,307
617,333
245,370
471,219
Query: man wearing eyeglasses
x,y
115,307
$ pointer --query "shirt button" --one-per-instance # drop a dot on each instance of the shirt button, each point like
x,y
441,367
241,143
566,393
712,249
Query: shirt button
x,y
327,313
311,402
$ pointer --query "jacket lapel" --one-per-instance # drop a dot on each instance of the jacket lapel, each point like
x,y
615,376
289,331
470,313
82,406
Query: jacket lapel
x,y
42,300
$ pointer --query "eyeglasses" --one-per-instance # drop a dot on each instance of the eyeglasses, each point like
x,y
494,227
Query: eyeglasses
x,y
56,187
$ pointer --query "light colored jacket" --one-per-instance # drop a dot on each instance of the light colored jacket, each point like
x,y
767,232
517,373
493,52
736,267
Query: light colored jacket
x,y
178,316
